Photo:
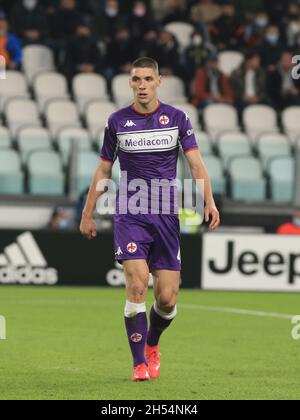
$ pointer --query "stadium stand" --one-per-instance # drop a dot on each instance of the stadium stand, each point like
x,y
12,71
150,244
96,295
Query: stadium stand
x,y
45,109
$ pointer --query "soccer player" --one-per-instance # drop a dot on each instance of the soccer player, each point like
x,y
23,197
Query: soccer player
x,y
146,137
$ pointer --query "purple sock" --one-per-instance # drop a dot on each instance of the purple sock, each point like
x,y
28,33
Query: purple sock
x,y
157,326
136,327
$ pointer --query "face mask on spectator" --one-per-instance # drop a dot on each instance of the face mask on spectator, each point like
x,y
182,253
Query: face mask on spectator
x,y
296,221
261,22
29,4
272,38
111,12
197,40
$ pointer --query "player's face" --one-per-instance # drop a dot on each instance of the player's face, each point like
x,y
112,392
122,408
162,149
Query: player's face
x,y
144,83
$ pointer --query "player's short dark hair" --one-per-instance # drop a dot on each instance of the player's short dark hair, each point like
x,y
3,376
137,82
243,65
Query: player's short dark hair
x,y
146,63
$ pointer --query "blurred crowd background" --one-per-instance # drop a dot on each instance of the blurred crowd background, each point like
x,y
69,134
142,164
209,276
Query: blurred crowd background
x,y
105,36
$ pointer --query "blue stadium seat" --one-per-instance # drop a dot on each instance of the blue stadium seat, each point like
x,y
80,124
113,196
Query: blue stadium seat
x,y
273,145
282,177
86,166
247,180
232,144
11,175
216,173
45,173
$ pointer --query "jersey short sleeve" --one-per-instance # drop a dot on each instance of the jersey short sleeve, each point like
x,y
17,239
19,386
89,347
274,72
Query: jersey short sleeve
x,y
110,143
186,133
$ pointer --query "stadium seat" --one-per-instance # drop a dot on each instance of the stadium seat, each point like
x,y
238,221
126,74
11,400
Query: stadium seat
x,y
31,139
11,175
37,59
67,136
282,178
258,119
49,86
247,181
271,145
5,139
86,167
121,92
182,32
88,87
291,122
21,113
219,118
191,112
61,114
230,61
14,86
204,142
232,144
96,116
171,90
45,173
215,170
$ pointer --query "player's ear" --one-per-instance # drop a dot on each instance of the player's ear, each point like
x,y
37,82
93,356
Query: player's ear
x,y
159,80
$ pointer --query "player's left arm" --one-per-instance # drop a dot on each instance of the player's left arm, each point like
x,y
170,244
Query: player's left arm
x,y
199,173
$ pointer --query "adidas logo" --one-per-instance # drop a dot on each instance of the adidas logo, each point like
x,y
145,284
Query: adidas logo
x,y
130,123
23,262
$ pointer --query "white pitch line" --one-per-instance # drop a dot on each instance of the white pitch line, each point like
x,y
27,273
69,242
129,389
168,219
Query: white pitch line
x,y
236,311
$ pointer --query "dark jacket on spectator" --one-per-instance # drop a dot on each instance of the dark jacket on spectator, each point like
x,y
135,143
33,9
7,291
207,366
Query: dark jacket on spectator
x,y
23,20
238,83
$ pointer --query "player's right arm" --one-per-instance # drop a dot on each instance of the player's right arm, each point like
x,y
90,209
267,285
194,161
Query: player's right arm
x,y
88,225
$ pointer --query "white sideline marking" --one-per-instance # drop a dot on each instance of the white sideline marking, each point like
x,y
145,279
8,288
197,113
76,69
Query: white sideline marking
x,y
236,311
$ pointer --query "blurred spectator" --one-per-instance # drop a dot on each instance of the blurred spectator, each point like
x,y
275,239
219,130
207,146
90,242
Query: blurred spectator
x,y
167,54
160,9
83,54
272,48
211,85
249,82
205,11
292,228
62,219
121,52
29,21
195,55
10,45
255,32
64,22
149,44
292,24
282,88
177,12
140,21
276,9
107,23
228,30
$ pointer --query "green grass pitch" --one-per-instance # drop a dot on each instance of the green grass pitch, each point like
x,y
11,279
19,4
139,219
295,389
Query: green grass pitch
x,y
70,343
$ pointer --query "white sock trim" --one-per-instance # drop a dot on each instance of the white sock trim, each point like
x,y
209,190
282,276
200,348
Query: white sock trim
x,y
132,309
165,315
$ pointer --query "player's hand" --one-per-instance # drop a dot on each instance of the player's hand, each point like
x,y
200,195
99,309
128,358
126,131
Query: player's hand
x,y
88,227
212,211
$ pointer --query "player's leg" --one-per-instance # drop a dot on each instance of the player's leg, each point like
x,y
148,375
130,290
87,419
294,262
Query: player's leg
x,y
163,311
137,276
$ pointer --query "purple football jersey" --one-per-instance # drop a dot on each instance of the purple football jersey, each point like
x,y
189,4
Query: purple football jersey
x,y
147,146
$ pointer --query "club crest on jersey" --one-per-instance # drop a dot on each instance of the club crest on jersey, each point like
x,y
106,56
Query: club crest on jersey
x,y
132,248
130,123
136,337
164,120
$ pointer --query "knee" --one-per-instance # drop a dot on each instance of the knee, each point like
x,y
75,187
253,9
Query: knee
x,y
136,284
166,301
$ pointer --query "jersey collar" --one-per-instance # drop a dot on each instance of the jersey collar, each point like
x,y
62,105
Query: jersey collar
x,y
145,114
